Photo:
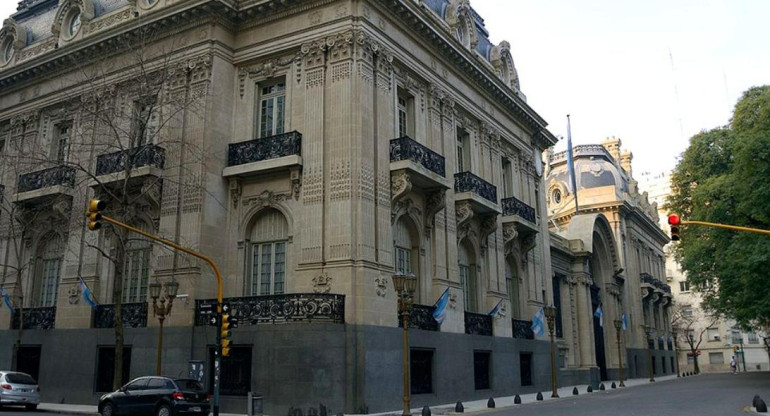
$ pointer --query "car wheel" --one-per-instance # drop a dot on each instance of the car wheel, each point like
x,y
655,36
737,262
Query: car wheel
x,y
31,406
163,410
108,409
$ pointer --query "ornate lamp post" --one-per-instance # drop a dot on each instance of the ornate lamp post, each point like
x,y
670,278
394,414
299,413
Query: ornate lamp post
x,y
618,325
648,332
550,316
161,309
405,286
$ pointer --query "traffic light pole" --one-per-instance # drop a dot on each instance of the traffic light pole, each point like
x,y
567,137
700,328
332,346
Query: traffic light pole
x,y
217,352
729,227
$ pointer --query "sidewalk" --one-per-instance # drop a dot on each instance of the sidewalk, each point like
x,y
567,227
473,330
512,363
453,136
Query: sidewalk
x,y
445,409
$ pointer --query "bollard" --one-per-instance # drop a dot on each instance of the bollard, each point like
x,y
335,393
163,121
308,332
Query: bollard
x,y
601,387
759,404
459,407
590,389
491,403
575,391
539,396
426,411
517,400
613,385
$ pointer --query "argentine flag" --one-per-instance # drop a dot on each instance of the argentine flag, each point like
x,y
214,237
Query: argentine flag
x,y
493,313
440,313
7,300
88,296
625,322
538,323
599,314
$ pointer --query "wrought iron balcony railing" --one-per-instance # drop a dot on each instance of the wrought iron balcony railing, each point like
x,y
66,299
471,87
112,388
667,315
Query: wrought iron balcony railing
x,y
279,309
133,315
478,324
647,278
523,329
468,182
266,148
420,317
148,155
35,318
667,288
405,148
513,206
58,175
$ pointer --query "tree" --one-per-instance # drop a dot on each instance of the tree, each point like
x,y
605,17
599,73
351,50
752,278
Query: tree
x,y
722,178
689,324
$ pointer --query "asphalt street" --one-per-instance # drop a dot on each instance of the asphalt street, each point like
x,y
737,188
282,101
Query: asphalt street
x,y
703,395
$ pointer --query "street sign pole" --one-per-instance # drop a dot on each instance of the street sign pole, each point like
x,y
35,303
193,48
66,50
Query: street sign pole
x,y
217,358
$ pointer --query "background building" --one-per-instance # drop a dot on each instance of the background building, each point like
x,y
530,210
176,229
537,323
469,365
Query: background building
x,y
715,339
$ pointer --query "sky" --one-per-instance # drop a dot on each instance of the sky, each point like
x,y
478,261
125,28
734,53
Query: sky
x,y
652,73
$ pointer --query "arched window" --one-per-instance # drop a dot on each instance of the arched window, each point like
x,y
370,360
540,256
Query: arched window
x,y
512,285
50,256
467,266
406,249
267,258
137,269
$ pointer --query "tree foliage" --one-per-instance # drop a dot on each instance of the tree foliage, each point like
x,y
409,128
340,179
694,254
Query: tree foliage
x,y
723,178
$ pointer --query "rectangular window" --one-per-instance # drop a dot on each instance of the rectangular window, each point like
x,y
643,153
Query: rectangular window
x,y
654,366
268,275
463,151
716,358
405,113
50,281
403,260
62,141
712,334
235,372
684,286
421,371
481,366
144,121
690,359
136,275
686,311
753,338
663,364
469,289
507,179
525,368
105,368
737,337
272,108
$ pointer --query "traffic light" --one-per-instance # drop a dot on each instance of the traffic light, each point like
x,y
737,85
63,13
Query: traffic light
x,y
228,322
674,222
736,349
94,214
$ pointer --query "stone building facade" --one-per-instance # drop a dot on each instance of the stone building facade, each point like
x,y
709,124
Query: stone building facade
x,y
312,148
608,255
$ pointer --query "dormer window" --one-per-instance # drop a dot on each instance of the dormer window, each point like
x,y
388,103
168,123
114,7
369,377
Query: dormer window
x,y
73,23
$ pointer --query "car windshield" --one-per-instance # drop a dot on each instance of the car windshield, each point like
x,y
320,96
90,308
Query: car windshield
x,y
20,378
186,384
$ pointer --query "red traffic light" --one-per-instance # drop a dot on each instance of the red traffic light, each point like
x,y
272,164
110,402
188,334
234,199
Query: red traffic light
x,y
674,219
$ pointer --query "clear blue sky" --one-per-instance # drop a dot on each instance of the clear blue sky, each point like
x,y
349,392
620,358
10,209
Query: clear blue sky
x,y
608,64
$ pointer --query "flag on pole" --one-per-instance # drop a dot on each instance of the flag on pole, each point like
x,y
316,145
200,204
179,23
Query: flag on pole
x,y
440,313
88,296
625,322
571,164
538,323
493,313
599,315
7,300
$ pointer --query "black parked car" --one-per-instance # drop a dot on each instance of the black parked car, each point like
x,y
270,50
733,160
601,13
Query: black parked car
x,y
159,396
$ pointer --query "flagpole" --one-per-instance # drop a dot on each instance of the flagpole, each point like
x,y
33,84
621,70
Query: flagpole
x,y
571,165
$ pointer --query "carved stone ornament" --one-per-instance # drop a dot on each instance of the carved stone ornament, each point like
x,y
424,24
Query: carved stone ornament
x,y
151,189
407,207
264,70
73,295
62,208
322,283
235,191
464,213
452,300
267,198
509,233
501,313
400,185
434,203
381,286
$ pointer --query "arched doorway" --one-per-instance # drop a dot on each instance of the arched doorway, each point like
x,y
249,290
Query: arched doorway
x,y
266,261
512,286
406,251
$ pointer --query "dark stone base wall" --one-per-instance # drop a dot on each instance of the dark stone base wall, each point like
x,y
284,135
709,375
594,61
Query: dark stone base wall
x,y
637,364
348,368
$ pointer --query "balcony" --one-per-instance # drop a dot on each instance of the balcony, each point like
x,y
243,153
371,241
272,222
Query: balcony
x,y
140,162
279,309
44,184
478,324
521,215
481,194
35,318
420,317
522,329
426,168
133,315
254,157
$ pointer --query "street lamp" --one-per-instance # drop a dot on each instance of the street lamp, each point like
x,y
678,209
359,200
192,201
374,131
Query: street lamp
x,y
550,316
161,309
618,325
648,331
405,286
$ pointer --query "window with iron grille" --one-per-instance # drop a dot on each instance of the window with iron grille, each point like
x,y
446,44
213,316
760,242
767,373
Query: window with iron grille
x,y
421,371
481,369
